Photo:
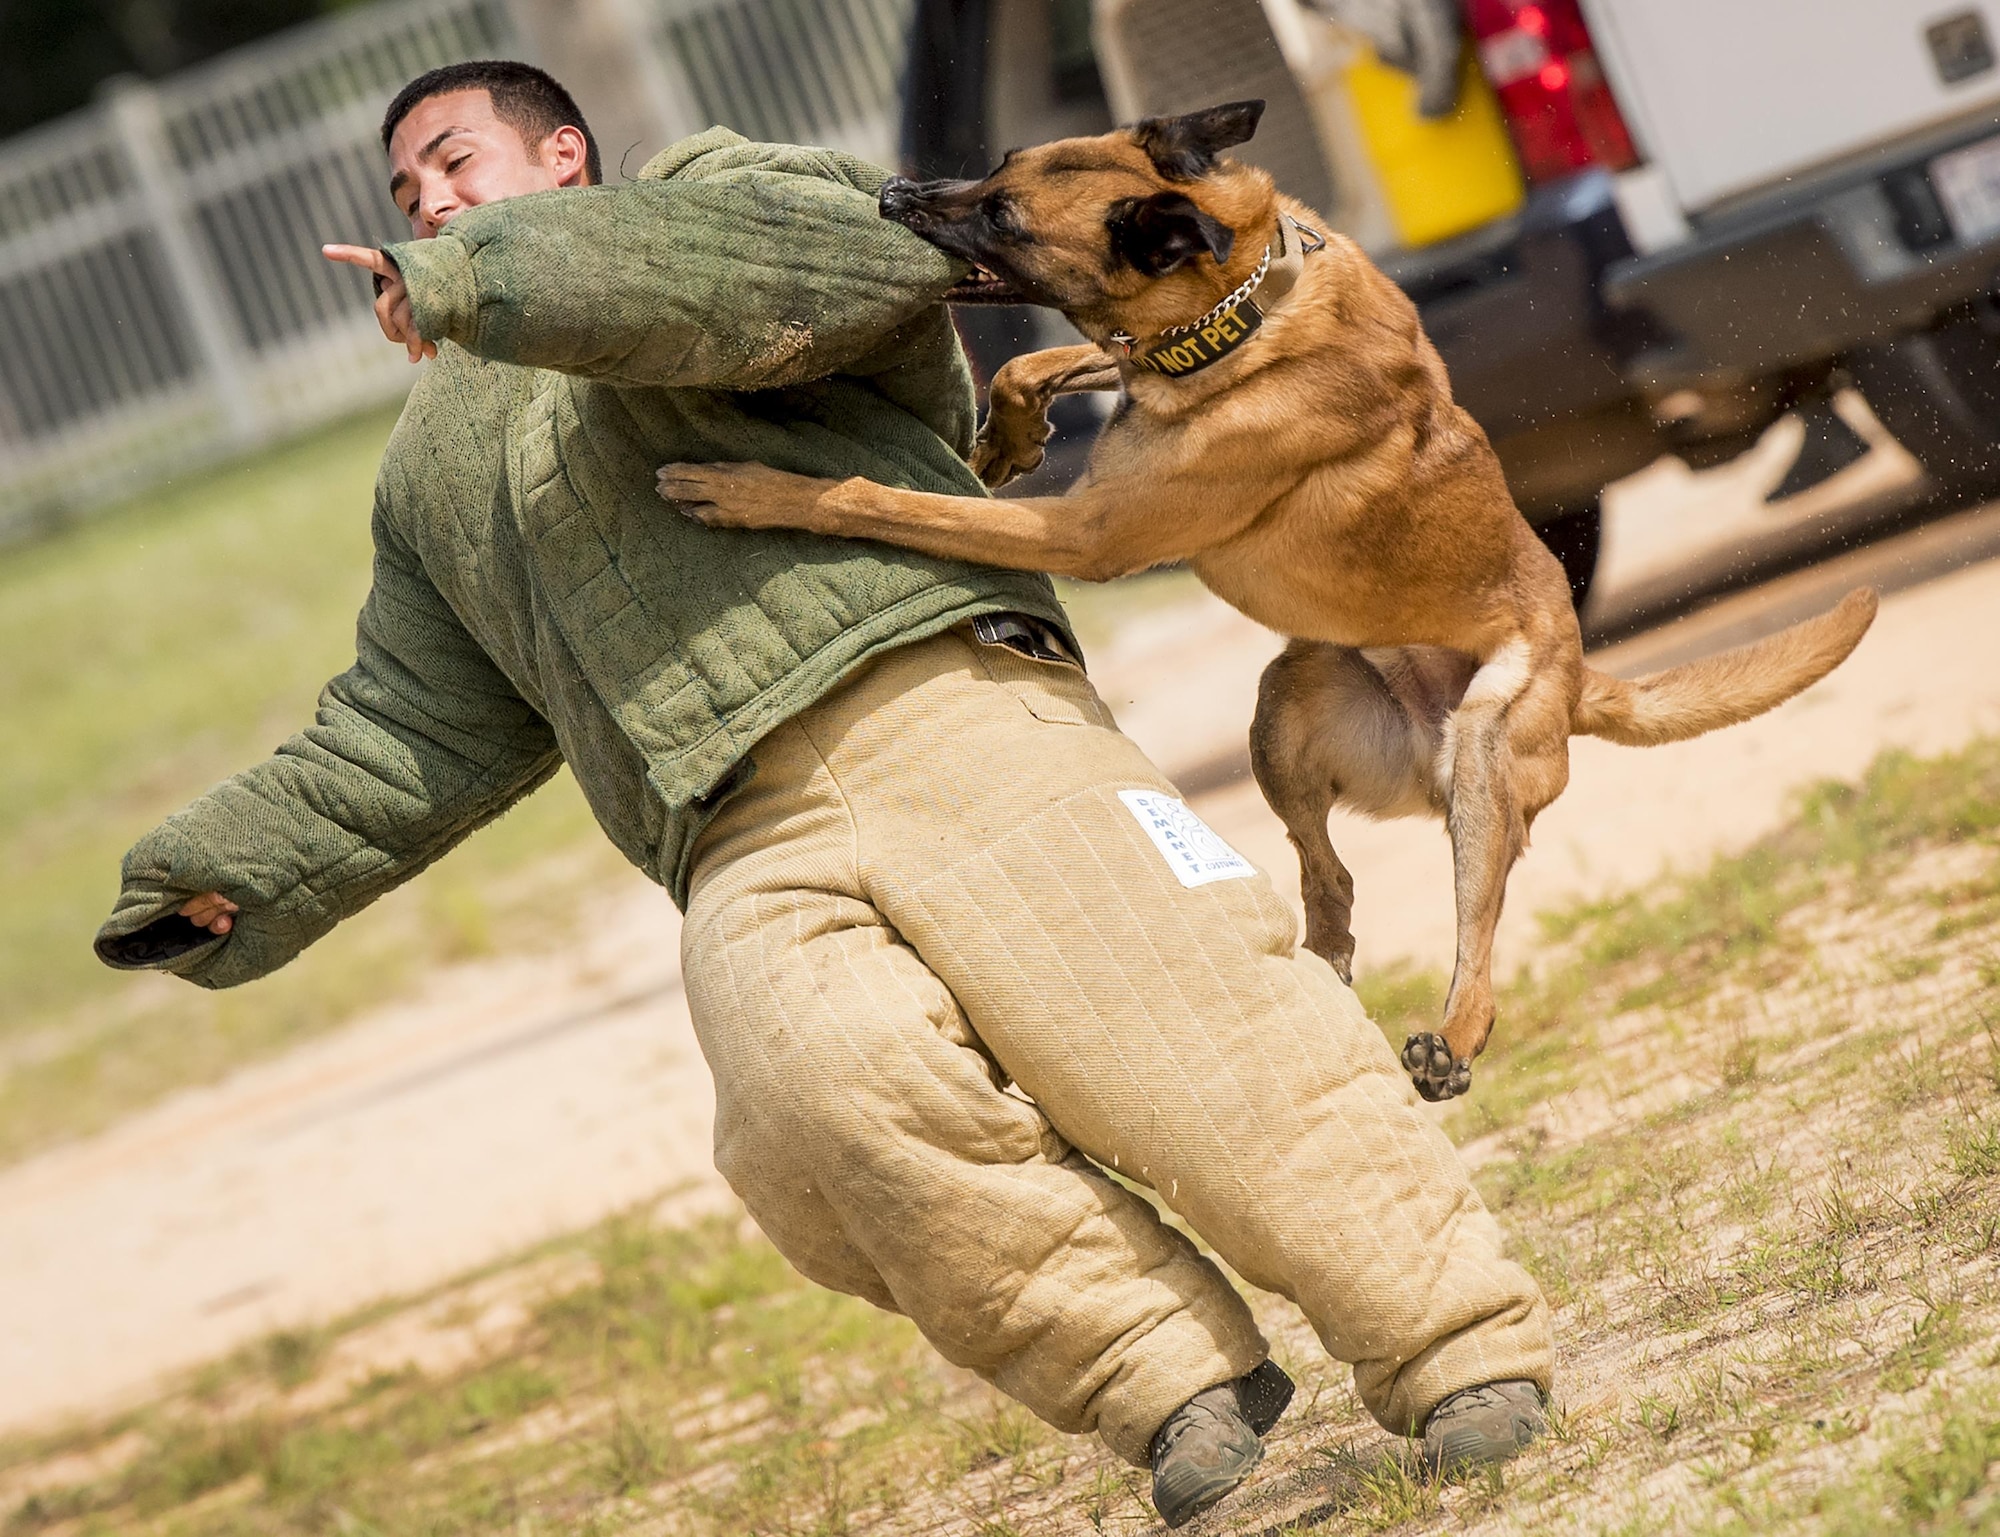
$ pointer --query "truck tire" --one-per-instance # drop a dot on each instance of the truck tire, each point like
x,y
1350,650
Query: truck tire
x,y
1575,537
1938,392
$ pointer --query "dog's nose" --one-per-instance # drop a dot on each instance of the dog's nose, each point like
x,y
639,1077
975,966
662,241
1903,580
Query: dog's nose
x,y
899,196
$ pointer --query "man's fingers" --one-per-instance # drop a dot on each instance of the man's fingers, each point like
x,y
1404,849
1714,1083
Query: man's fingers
x,y
385,315
365,257
211,911
686,480
399,322
406,322
392,297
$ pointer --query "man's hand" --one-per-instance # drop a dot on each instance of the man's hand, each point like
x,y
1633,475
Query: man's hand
x,y
211,911
392,296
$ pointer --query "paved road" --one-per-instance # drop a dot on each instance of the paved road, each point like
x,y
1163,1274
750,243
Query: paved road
x,y
517,1099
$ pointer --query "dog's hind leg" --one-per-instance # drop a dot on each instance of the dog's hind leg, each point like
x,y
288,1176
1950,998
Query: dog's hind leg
x,y
1329,729
1507,757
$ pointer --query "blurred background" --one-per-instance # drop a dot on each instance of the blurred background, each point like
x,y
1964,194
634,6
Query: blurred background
x,y
1718,278
1627,239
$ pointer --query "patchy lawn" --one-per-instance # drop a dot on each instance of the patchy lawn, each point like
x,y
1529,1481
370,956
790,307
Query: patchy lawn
x,y
151,653
1745,1129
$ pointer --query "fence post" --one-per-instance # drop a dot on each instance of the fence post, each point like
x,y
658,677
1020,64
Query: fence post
x,y
134,108
606,52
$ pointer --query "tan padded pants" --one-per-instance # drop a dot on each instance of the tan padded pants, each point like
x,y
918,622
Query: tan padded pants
x,y
939,970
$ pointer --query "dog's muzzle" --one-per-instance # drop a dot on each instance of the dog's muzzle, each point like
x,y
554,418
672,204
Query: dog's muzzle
x,y
912,204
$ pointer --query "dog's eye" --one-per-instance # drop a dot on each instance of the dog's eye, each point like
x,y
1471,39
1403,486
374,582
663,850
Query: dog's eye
x,y
1000,215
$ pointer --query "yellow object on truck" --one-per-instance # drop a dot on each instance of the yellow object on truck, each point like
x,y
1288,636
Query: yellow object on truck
x,y
1440,176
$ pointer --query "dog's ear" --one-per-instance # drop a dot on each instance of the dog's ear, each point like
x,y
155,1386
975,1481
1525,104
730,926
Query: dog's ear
x,y
1184,148
1159,233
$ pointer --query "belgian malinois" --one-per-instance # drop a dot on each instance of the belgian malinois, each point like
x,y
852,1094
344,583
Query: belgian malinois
x,y
1287,430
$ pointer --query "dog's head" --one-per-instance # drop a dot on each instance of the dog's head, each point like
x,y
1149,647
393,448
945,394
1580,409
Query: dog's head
x,y
1129,230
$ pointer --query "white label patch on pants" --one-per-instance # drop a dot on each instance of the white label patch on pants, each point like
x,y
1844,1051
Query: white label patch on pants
x,y
1191,848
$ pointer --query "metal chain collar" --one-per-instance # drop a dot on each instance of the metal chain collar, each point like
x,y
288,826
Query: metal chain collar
x,y
1236,296
1310,241
1229,301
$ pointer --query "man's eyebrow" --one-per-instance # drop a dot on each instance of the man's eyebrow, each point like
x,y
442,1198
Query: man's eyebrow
x,y
396,181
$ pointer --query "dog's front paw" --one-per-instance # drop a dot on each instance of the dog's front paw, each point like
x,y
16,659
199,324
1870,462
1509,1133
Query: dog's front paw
x,y
1433,1069
739,495
1008,446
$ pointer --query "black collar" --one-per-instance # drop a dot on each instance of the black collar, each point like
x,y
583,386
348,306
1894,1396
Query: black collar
x,y
1186,349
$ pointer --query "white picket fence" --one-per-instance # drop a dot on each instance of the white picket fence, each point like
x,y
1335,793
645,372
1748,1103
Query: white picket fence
x,y
163,302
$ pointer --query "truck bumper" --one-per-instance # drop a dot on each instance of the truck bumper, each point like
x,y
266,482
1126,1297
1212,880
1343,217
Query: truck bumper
x,y
1804,274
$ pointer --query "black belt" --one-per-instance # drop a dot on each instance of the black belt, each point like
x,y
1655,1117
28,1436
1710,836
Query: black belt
x,y
1024,633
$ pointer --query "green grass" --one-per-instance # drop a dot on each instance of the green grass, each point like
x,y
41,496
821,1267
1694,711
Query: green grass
x,y
1776,1285
694,1351
150,653
1671,947
1730,911
1773,1259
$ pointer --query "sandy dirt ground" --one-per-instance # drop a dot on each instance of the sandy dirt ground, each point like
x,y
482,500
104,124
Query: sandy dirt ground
x,y
509,1101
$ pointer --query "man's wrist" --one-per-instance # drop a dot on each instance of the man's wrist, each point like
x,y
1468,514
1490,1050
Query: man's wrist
x,y
444,295
156,946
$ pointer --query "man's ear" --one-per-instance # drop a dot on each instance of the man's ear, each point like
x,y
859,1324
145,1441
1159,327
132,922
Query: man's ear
x,y
1184,148
1159,233
567,153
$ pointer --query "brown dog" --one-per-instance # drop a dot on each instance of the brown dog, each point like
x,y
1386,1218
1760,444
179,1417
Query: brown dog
x,y
1287,430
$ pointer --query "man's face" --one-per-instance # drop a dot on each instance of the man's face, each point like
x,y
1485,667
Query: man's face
x,y
452,153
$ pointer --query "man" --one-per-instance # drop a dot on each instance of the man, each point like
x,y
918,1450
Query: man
x,y
953,946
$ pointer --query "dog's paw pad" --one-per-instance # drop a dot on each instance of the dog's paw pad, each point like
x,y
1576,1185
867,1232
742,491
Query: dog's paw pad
x,y
1437,1074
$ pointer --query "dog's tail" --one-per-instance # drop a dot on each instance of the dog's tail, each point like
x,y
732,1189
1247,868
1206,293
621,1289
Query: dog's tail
x,y
1721,690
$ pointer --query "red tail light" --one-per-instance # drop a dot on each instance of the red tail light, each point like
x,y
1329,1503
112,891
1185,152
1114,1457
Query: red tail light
x,y
1537,53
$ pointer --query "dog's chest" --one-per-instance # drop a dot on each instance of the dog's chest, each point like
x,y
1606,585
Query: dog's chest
x,y
1257,577
1303,588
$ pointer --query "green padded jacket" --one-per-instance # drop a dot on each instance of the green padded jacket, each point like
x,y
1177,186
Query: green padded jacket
x,y
535,602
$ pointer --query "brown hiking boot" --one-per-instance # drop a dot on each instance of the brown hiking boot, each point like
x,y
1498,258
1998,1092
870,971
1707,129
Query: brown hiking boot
x,y
1477,1427
1210,1444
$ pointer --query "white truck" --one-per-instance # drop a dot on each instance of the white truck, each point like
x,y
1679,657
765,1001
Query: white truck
x,y
1634,227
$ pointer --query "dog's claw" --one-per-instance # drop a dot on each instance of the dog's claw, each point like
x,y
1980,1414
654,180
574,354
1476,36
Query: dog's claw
x,y
1333,942
1437,1074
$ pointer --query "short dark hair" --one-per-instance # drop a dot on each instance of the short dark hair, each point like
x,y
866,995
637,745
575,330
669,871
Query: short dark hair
x,y
530,101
